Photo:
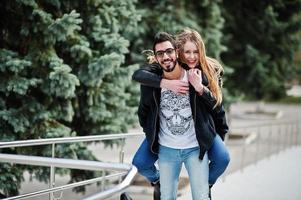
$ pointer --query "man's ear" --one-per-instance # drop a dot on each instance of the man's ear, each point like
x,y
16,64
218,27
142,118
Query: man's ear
x,y
177,53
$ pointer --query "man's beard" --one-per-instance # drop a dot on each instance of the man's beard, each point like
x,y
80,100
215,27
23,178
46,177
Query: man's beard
x,y
170,69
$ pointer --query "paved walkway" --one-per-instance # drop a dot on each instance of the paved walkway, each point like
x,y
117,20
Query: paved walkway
x,y
276,178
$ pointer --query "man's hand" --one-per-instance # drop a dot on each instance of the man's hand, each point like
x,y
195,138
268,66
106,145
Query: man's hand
x,y
195,78
177,86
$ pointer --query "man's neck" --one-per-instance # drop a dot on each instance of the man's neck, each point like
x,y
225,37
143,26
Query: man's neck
x,y
175,74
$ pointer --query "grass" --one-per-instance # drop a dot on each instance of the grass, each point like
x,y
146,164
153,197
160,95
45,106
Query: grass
x,y
289,100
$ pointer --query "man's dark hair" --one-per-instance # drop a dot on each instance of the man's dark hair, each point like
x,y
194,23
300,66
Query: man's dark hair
x,y
163,37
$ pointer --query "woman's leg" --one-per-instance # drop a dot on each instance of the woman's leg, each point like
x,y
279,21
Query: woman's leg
x,y
198,174
170,166
145,160
219,158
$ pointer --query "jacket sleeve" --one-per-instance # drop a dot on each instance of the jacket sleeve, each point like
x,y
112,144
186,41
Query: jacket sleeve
x,y
217,112
143,108
220,121
150,75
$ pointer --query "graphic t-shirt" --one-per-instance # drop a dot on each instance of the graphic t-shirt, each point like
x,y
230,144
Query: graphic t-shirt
x,y
176,121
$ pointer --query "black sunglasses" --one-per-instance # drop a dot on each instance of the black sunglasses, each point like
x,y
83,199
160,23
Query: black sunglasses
x,y
169,52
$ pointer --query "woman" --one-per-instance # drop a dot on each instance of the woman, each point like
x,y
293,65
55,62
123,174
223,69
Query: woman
x,y
191,53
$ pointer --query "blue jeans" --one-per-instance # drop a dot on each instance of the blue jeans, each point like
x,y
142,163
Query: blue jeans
x,y
219,158
170,164
145,160
218,155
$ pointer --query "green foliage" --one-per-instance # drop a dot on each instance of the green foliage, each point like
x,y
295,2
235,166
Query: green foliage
x,y
63,73
170,16
97,69
10,174
64,27
13,80
289,100
16,120
9,62
261,39
62,83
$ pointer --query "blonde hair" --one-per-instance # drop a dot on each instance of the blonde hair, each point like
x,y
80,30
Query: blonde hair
x,y
209,66
150,56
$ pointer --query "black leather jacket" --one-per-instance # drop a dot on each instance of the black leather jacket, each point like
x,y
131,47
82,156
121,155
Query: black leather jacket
x,y
208,119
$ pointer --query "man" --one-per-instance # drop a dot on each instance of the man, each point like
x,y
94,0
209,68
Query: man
x,y
145,158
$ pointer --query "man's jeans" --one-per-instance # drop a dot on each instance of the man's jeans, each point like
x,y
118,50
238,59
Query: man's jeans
x,y
218,155
170,165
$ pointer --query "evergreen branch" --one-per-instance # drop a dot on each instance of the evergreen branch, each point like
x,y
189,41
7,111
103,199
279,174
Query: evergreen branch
x,y
65,26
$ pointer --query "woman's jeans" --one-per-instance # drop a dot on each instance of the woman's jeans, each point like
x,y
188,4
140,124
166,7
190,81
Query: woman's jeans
x,y
145,160
219,158
170,165
218,155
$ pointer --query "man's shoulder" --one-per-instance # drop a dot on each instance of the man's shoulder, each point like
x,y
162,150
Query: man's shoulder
x,y
146,88
152,67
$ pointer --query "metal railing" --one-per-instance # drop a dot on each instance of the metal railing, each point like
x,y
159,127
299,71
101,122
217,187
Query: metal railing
x,y
128,170
261,141
270,138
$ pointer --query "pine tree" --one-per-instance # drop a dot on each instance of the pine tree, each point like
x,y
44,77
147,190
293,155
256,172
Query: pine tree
x,y
170,16
261,43
63,73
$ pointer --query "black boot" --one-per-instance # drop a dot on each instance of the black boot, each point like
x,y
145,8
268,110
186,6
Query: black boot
x,y
157,193
2,196
210,186
125,196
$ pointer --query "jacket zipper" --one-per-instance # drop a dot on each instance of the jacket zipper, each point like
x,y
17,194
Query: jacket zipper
x,y
155,127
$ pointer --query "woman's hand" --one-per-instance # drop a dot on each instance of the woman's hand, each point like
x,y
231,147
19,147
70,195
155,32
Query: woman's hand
x,y
177,86
195,78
